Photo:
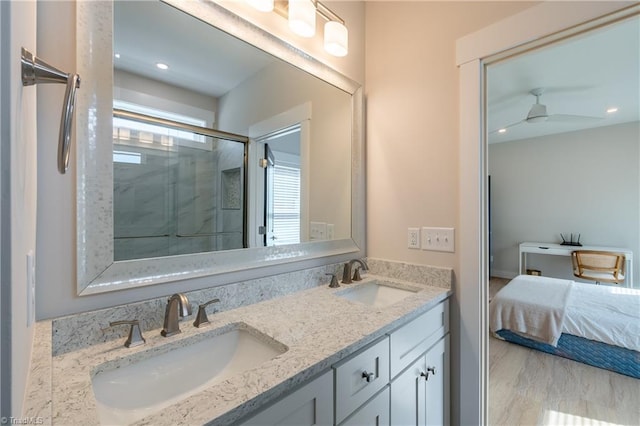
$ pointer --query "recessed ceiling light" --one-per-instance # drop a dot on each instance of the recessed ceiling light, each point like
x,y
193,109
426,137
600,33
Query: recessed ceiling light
x,y
162,66
502,131
117,55
612,110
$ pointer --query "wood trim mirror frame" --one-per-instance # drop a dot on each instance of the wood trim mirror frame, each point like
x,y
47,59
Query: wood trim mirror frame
x,y
96,271
539,25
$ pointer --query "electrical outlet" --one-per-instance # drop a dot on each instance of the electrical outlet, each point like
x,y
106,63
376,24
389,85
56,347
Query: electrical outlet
x,y
438,239
413,238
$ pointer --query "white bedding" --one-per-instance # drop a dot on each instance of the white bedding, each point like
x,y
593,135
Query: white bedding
x,y
596,312
604,313
532,306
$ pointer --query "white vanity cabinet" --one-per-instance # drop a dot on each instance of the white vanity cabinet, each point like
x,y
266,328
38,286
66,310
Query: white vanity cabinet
x,y
420,370
420,394
312,404
400,379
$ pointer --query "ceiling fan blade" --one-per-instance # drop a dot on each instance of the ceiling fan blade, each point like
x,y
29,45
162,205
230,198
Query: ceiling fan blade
x,y
507,127
568,118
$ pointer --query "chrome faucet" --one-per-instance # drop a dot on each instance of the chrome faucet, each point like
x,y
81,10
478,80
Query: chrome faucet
x,y
177,306
346,274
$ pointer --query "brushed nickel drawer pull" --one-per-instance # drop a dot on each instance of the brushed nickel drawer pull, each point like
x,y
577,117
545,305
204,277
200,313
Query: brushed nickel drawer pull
x,y
370,377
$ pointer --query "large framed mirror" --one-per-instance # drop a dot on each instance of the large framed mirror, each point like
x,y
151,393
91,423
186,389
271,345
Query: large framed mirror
x,y
207,146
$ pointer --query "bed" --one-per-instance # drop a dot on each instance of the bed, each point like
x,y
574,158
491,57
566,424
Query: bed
x,y
594,324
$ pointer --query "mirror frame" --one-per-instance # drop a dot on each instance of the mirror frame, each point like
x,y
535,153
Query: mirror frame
x,y
96,270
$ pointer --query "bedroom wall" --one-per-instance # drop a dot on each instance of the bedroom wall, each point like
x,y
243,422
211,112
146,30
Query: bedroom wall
x,y
582,182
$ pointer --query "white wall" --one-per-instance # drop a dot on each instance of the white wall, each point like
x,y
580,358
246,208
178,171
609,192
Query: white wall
x,y
19,189
583,182
412,145
141,90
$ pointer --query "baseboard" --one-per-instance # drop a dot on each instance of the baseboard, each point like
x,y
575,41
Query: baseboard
x,y
503,274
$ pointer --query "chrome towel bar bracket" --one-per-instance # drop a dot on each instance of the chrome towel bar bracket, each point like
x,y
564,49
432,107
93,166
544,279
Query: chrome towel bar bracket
x,y
35,71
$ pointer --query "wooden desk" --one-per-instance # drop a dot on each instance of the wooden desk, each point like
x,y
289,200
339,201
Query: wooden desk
x,y
560,250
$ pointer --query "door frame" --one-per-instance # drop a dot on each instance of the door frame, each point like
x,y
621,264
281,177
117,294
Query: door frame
x,y
541,24
297,116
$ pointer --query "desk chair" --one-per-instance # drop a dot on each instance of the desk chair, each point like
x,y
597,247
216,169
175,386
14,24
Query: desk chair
x,y
598,266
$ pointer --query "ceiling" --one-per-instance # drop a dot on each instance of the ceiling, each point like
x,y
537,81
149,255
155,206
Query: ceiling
x,y
200,57
584,75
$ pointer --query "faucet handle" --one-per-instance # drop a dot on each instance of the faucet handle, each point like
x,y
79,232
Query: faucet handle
x,y
356,275
135,335
201,316
334,281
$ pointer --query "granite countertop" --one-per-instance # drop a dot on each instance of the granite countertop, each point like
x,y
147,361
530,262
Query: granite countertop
x,y
317,327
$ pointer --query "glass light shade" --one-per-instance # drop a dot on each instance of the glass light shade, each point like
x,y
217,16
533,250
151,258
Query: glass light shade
x,y
262,5
302,17
336,38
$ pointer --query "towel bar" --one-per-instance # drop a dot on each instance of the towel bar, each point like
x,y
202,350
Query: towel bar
x,y
34,71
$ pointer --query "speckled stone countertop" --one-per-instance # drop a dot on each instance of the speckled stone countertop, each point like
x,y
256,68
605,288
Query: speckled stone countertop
x,y
317,327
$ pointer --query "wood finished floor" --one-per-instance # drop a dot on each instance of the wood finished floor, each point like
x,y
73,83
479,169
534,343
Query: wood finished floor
x,y
528,387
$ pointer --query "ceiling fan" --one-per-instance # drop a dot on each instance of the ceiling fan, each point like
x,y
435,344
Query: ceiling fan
x,y
538,114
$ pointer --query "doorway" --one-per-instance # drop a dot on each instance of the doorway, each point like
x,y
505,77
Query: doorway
x,y
281,208
542,23
542,171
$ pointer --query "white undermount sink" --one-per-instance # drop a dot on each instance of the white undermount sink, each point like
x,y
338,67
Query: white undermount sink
x,y
132,392
377,293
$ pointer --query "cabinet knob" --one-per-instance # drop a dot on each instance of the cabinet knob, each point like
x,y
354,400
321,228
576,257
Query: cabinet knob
x,y
368,376
432,370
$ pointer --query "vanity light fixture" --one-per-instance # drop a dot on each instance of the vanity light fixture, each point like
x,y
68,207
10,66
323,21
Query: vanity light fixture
x,y
162,66
612,110
301,15
336,38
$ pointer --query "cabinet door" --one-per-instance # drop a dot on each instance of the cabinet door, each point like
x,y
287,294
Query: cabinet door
x,y
373,413
437,383
408,396
312,404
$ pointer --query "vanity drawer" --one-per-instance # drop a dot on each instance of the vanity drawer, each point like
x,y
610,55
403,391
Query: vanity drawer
x,y
360,377
414,338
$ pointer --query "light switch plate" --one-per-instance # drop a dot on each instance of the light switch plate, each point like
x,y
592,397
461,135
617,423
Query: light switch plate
x,y
438,239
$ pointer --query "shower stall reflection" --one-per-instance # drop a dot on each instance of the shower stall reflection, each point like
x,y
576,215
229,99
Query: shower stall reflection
x,y
175,191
